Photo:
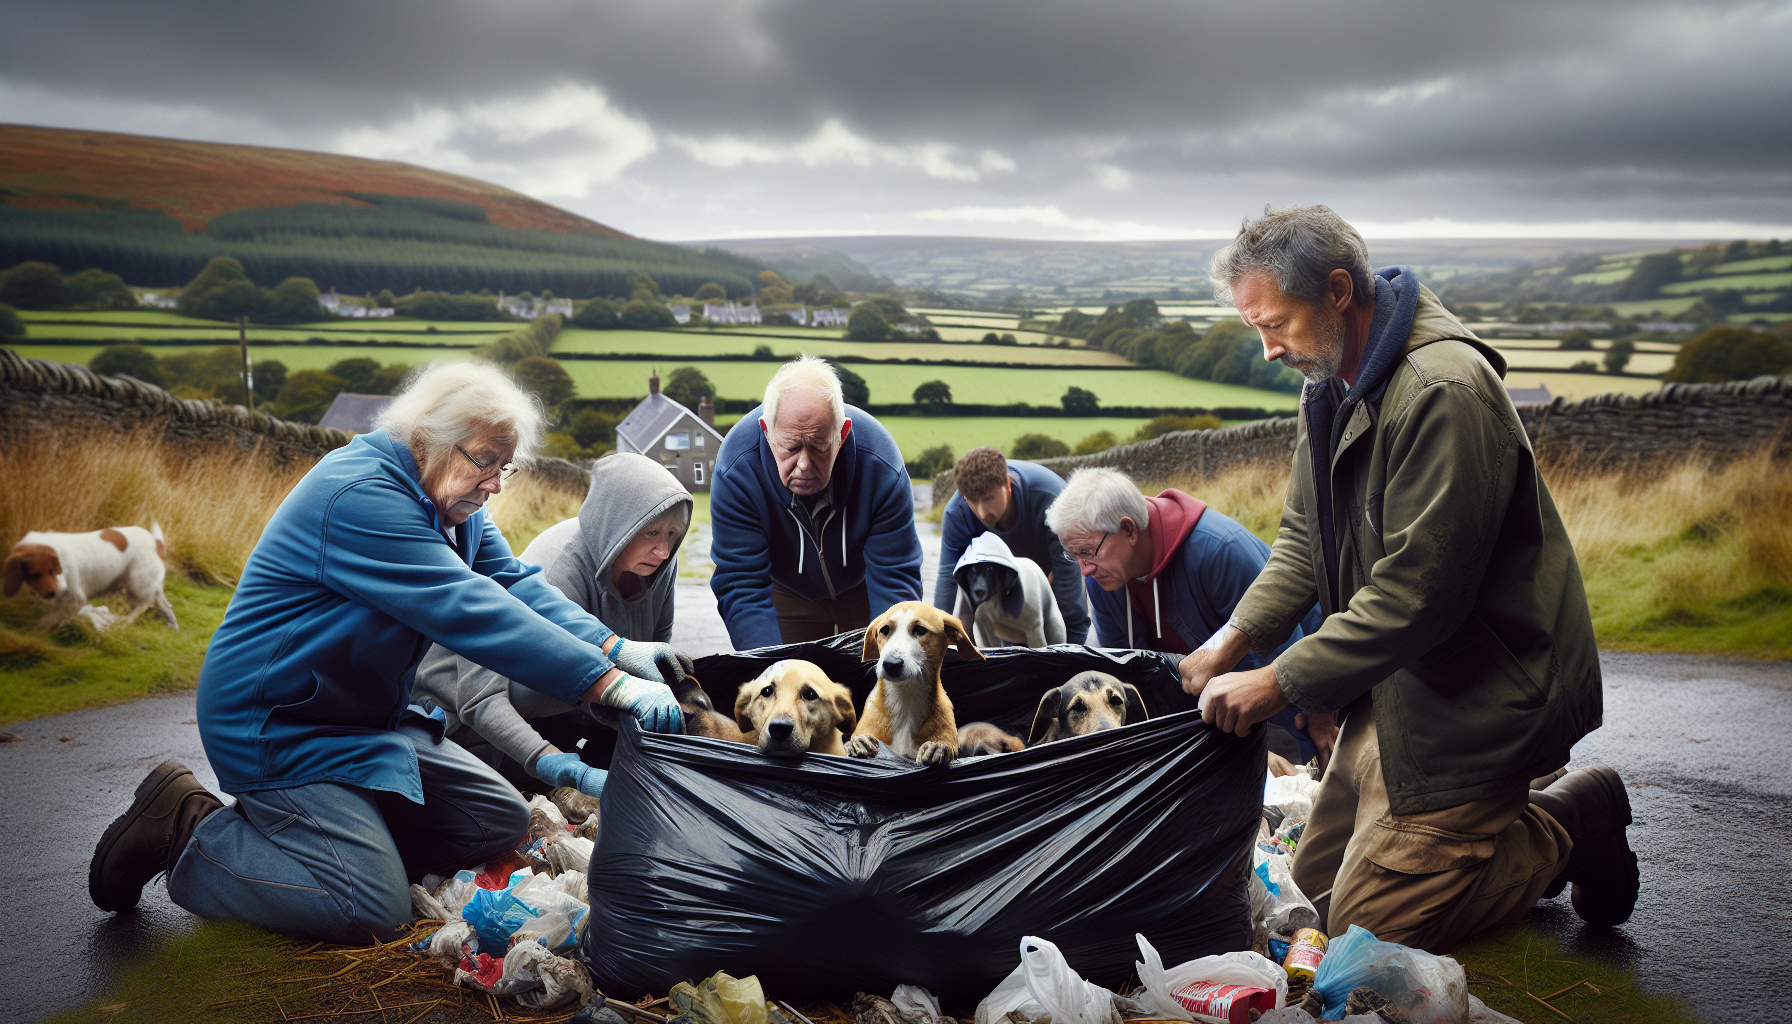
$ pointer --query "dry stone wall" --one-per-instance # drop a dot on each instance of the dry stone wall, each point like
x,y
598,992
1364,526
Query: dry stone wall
x,y
1719,421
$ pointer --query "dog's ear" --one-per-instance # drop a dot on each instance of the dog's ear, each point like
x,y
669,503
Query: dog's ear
x,y
874,645
747,690
15,574
955,634
846,718
1135,704
1045,720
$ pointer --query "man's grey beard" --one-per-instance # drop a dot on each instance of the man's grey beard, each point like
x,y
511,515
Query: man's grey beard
x,y
1329,354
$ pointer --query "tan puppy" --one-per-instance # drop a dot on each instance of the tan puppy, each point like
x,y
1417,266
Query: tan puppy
x,y
981,738
793,709
1088,702
700,715
908,708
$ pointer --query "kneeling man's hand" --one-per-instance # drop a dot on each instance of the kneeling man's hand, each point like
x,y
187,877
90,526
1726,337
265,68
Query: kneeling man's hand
x,y
1221,651
1238,700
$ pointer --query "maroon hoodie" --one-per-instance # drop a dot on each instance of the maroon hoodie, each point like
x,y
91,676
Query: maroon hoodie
x,y
1173,517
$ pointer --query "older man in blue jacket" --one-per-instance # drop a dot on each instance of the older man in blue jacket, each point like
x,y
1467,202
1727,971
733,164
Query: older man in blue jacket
x,y
813,515
1165,573
345,791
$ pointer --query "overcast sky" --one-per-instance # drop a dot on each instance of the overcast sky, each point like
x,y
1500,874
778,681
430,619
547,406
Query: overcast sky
x,y
1102,119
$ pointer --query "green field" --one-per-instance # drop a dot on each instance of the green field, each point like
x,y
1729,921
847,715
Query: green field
x,y
264,335
699,344
915,434
1582,385
1754,266
1644,309
296,357
1602,276
1737,282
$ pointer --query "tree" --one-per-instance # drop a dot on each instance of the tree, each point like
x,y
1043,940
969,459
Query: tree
x,y
307,396
774,290
867,323
10,324
1618,356
1171,423
1731,353
1038,446
1651,272
293,301
763,352
934,393
544,378
222,291
34,286
643,315
1080,402
1100,441
270,377
643,288
214,373
592,428
852,386
129,361
363,376
709,291
688,387
930,463
385,298
98,288
1578,340
559,445
597,315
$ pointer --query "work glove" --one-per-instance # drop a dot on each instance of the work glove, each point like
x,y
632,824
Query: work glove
x,y
651,703
660,662
565,769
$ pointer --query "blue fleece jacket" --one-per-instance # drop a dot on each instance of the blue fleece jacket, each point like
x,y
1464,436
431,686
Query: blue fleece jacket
x,y
763,535
1035,488
308,676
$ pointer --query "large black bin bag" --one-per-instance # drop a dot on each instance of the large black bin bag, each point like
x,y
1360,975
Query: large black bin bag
x,y
829,875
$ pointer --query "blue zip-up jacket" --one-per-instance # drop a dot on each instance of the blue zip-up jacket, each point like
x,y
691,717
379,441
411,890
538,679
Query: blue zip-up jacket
x,y
1035,488
761,537
309,674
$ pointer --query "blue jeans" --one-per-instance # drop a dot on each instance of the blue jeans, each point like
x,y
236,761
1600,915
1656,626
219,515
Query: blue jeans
x,y
334,862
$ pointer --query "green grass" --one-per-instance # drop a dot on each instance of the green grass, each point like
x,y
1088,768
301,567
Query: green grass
x,y
1645,309
1506,963
296,357
1754,266
1738,282
915,434
74,667
1749,318
702,344
257,335
1602,276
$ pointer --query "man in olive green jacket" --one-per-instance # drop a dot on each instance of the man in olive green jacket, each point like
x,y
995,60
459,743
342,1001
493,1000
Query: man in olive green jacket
x,y
1456,648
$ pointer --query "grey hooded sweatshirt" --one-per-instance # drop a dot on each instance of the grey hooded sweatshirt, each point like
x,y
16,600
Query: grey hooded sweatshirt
x,y
489,714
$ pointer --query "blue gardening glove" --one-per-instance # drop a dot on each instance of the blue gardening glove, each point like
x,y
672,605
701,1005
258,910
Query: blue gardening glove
x,y
565,769
651,703
649,660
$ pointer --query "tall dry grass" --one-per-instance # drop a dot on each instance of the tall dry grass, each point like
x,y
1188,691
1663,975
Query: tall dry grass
x,y
212,501
531,503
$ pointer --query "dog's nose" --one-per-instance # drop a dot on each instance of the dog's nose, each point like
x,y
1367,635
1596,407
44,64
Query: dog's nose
x,y
779,729
893,668
979,592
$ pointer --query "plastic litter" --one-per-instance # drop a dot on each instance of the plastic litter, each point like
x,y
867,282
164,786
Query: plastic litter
x,y
455,892
1222,988
916,1004
1305,954
1423,988
1044,985
547,807
529,974
426,907
713,856
722,998
568,852
452,943
1293,795
495,915
1283,909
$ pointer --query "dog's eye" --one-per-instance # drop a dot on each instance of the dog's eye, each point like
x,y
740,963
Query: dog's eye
x,y
768,691
1115,699
1077,707
918,630
886,630
810,694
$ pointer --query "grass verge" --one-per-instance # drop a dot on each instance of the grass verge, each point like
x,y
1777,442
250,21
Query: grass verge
x,y
1515,969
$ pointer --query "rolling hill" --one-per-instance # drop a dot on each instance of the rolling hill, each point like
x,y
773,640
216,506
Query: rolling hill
x,y
155,210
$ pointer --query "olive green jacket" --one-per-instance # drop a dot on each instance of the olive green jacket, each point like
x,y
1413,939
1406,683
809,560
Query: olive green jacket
x,y
1459,604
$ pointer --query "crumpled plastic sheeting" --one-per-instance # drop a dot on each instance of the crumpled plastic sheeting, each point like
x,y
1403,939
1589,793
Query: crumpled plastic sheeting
x,y
452,943
533,977
714,857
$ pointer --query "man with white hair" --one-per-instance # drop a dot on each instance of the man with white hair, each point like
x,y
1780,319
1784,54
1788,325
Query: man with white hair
x,y
1457,645
1165,573
813,515
345,790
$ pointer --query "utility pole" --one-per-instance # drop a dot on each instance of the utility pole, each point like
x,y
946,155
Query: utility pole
x,y
242,341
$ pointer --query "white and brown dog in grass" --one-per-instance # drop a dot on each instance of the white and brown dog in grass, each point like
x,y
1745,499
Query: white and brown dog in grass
x,y
69,569
908,708
793,709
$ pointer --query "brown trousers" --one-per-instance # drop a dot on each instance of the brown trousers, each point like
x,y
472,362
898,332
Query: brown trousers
x,y
801,620
1425,880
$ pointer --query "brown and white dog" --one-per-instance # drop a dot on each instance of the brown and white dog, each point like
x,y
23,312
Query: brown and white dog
x,y
69,569
1088,702
700,715
793,709
908,708
980,738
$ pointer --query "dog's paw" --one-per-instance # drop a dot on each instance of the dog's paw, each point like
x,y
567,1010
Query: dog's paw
x,y
861,746
936,753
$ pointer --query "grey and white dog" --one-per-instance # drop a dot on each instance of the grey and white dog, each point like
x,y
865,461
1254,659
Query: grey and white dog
x,y
1004,599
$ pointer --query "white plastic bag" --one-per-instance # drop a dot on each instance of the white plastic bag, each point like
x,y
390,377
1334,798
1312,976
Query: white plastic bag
x,y
451,943
456,891
916,1003
547,807
568,852
1252,970
1293,795
552,929
426,907
1279,905
537,978
1044,985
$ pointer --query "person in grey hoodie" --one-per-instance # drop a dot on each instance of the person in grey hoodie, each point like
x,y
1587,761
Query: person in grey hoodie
x,y
619,561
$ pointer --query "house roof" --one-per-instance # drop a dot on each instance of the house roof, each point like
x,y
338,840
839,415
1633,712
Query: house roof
x,y
355,413
652,418
1521,396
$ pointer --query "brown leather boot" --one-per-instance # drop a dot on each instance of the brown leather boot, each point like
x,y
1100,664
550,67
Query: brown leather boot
x,y
146,840
1594,807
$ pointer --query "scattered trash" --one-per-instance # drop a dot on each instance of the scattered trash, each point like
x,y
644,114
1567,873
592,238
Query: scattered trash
x,y
1410,986
452,943
722,998
455,892
574,804
426,907
869,1009
568,852
1278,904
495,915
1302,961
529,974
1221,989
916,1005
1044,985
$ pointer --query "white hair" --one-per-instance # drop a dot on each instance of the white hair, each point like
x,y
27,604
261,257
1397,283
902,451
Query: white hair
x,y
804,375
445,404
1096,499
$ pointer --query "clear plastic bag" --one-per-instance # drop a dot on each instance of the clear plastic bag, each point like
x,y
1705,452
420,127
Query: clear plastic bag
x,y
535,978
722,998
1293,795
568,852
1045,985
1428,989
1282,909
1251,970
916,1003
455,892
427,907
452,943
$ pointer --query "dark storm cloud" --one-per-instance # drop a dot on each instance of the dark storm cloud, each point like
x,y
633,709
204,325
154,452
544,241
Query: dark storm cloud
x,y
1612,107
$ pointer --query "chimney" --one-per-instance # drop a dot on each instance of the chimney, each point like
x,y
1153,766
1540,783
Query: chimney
x,y
653,383
706,411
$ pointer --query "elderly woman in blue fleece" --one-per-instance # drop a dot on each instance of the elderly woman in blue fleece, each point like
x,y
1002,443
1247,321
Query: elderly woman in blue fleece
x,y
345,791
